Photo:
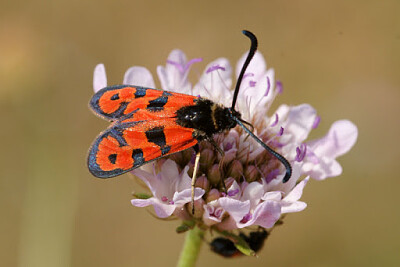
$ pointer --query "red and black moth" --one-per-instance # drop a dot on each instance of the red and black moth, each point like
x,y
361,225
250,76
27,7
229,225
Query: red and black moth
x,y
147,124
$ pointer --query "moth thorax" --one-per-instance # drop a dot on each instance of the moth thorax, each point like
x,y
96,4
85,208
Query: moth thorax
x,y
206,117
222,118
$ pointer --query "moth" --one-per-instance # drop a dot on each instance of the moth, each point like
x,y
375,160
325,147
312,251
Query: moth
x,y
147,124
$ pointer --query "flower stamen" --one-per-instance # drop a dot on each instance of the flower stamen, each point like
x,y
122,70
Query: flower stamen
x,y
301,152
214,68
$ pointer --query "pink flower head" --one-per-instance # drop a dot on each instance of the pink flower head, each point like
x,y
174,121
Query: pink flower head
x,y
255,195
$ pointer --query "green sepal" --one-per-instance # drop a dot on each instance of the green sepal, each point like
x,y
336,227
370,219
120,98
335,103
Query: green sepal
x,y
141,196
239,243
185,226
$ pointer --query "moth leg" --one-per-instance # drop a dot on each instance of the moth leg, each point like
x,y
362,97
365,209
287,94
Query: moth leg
x,y
196,166
221,163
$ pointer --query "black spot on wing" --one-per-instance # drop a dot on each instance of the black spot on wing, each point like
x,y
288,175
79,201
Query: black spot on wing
x,y
112,158
140,92
159,103
115,97
156,135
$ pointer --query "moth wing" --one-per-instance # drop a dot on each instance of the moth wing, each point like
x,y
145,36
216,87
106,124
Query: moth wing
x,y
116,102
130,144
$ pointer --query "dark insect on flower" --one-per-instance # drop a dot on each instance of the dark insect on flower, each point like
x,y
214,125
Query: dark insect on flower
x,y
148,124
226,247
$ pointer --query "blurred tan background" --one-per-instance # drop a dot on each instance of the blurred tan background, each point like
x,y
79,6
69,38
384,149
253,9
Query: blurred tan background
x,y
343,57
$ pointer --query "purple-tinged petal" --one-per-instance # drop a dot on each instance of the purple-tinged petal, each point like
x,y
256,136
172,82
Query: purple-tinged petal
x,y
162,210
277,185
139,76
99,77
173,76
272,175
266,214
253,192
246,218
326,167
257,65
185,196
300,121
296,192
236,208
294,207
273,195
340,139
216,85
179,66
320,162
212,213
149,179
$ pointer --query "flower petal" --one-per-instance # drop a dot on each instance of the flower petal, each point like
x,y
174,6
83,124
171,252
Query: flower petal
x,y
297,191
340,139
162,210
299,122
253,192
320,161
139,76
185,196
173,76
216,84
236,208
257,65
325,168
266,214
99,77
290,203
293,207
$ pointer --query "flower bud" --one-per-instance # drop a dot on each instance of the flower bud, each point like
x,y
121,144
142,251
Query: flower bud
x,y
206,157
202,182
235,170
251,173
198,208
214,175
214,194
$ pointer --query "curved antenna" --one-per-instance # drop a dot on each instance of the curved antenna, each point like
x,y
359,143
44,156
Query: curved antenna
x,y
253,49
270,150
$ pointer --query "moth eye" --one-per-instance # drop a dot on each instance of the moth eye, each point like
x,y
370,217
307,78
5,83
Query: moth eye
x,y
115,97
112,158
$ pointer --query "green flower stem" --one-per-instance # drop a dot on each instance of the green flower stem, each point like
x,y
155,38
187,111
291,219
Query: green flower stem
x,y
191,247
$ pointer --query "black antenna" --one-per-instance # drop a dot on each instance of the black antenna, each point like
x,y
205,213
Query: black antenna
x,y
253,49
270,150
